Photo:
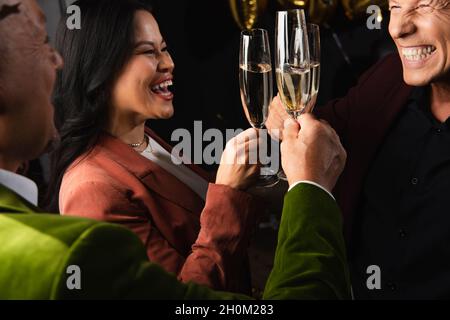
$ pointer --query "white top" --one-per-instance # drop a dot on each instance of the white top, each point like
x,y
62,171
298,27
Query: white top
x,y
21,185
156,153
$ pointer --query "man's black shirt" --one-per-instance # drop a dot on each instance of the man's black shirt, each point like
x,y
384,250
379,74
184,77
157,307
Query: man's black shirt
x,y
404,219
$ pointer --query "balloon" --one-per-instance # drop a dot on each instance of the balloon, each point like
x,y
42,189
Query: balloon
x,y
246,12
301,4
320,11
357,8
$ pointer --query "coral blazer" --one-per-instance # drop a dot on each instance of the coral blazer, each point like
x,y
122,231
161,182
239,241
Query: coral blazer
x,y
199,241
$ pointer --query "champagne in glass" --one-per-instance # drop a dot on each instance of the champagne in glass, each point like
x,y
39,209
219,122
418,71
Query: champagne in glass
x,y
256,91
294,87
255,80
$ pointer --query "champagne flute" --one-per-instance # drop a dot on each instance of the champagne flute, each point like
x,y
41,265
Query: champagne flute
x,y
292,63
314,54
256,87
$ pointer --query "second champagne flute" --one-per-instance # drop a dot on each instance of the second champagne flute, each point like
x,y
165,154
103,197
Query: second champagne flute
x,y
256,86
292,61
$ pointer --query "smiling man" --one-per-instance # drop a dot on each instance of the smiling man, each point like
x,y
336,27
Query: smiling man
x,y
421,32
395,125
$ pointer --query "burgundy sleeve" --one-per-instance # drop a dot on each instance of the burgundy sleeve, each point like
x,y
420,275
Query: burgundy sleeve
x,y
338,112
219,255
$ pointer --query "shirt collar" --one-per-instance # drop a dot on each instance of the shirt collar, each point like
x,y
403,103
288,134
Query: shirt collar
x,y
21,185
420,101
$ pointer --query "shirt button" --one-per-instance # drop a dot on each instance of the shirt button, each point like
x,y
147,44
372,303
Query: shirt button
x,y
402,233
414,181
438,130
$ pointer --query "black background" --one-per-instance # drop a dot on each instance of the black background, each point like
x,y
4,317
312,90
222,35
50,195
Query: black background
x,y
203,40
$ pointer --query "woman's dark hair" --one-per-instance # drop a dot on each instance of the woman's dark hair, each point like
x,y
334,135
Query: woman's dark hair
x,y
93,58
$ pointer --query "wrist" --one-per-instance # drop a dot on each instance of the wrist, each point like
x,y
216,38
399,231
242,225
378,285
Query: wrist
x,y
309,178
295,184
231,185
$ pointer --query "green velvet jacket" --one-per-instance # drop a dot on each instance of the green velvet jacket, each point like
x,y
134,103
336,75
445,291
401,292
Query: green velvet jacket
x,y
36,250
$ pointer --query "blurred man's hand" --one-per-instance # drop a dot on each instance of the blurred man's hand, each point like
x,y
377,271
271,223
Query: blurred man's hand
x,y
311,150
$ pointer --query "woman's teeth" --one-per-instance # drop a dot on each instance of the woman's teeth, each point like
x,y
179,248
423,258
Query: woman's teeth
x,y
416,54
162,87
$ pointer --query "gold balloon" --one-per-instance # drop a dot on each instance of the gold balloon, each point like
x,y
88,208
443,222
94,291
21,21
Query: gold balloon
x,y
320,11
301,4
246,12
357,8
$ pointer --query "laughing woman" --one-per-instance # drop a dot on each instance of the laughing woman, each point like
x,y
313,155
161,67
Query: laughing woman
x,y
107,166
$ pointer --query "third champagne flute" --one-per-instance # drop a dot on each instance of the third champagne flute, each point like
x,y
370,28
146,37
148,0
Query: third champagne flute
x,y
314,55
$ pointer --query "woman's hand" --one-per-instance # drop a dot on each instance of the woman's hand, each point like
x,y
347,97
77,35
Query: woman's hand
x,y
238,166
